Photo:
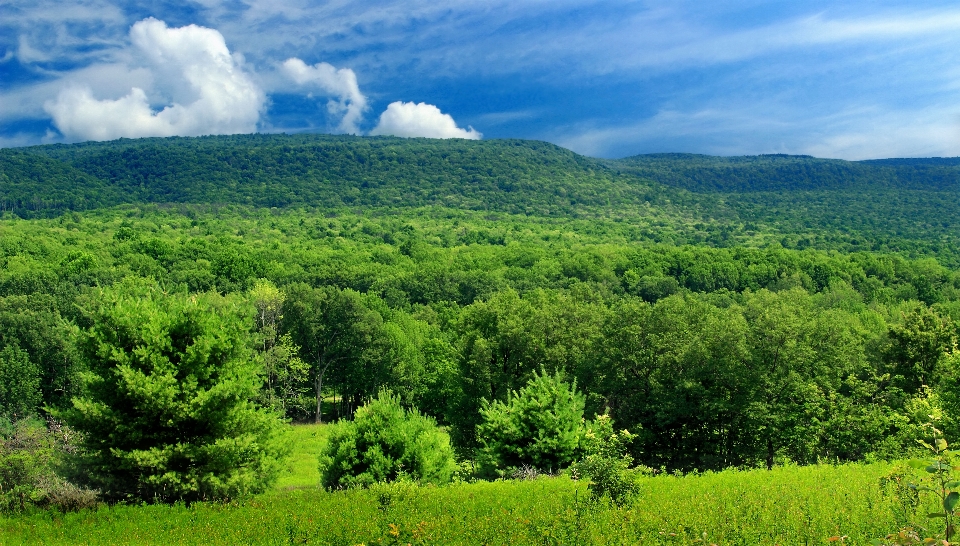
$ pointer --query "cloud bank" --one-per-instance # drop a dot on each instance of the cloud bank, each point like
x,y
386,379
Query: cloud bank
x,y
203,89
408,119
350,102
206,89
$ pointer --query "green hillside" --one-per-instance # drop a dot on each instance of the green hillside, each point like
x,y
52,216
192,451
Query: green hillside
x,y
909,206
331,171
32,184
779,172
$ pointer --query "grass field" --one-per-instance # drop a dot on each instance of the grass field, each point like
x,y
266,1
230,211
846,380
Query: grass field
x,y
786,506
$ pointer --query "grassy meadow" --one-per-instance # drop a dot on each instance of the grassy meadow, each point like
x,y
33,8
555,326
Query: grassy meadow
x,y
788,505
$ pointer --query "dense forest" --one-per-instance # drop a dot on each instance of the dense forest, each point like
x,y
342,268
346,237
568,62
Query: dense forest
x,y
727,312
904,206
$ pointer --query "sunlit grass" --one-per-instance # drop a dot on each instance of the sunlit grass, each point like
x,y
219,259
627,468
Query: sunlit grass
x,y
301,468
789,505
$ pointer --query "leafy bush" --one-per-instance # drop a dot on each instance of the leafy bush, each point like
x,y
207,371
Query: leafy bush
x,y
167,410
606,462
30,453
539,426
383,443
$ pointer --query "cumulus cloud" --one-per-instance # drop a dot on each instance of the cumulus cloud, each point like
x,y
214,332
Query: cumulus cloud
x,y
350,102
203,86
408,119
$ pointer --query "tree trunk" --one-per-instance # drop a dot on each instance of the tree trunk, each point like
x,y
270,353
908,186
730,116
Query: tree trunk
x,y
319,386
769,454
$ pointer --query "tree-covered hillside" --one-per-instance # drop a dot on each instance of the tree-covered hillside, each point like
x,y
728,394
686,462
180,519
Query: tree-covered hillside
x,y
32,184
896,205
779,172
806,310
331,171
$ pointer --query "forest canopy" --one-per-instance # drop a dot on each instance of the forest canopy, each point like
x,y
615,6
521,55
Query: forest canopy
x,y
727,312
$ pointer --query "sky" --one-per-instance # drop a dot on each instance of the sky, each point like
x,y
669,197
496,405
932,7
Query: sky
x,y
852,80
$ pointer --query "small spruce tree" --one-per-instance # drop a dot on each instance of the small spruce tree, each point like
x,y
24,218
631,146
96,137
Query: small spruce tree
x,y
540,426
167,410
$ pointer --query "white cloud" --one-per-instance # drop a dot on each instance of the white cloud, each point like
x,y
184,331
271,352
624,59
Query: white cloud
x,y
408,119
342,83
204,88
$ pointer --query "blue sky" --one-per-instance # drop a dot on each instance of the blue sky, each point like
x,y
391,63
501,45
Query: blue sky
x,y
854,80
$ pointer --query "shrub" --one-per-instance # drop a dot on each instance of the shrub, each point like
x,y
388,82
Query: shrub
x,y
383,443
539,426
167,409
606,462
30,453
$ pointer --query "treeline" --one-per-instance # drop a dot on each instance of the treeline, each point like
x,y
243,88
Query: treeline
x,y
713,357
32,185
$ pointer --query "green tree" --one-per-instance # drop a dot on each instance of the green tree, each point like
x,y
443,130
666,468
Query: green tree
x,y
383,441
504,340
606,461
917,347
784,367
336,331
167,409
285,374
34,325
540,426
674,373
19,384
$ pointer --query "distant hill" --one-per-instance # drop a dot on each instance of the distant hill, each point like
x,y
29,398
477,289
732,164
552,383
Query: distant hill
x,y
702,173
31,183
900,205
328,171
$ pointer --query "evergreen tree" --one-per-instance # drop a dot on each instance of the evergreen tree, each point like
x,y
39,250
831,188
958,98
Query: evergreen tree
x,y
540,426
167,408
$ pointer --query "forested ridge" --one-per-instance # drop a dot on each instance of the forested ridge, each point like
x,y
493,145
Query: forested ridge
x,y
907,206
799,310
779,172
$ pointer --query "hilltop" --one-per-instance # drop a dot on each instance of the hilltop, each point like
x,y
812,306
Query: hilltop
x,y
900,205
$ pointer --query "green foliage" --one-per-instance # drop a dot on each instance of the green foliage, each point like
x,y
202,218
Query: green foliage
x,y
19,384
167,409
794,201
539,426
784,311
941,485
607,463
339,336
285,374
383,443
287,377
917,347
34,325
31,454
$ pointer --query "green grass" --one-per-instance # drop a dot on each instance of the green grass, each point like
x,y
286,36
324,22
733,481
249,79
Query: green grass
x,y
786,506
301,469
